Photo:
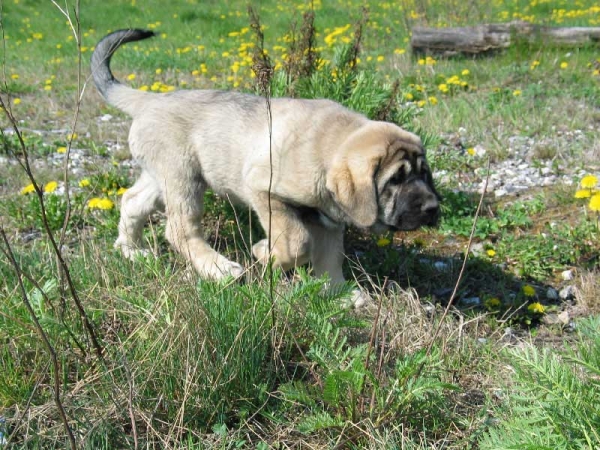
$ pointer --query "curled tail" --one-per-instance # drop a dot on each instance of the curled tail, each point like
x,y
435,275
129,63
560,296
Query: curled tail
x,y
103,77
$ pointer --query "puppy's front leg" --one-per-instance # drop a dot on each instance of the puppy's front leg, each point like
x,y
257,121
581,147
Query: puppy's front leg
x,y
290,238
184,232
327,256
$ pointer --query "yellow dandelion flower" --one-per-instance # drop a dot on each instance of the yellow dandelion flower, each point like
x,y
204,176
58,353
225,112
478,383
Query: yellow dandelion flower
x,y
536,308
517,92
84,182
471,151
17,101
583,193
564,65
595,203
48,87
528,290
491,252
492,303
421,103
589,182
61,150
443,88
421,62
383,242
100,203
28,189
408,96
121,190
433,100
380,58
143,88
71,136
131,76
399,51
15,76
50,187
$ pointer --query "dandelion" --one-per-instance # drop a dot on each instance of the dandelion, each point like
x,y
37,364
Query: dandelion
x,y
433,100
399,51
380,58
71,136
492,303
589,182
61,150
131,76
443,88
536,308
564,65
100,203
595,203
528,290
48,87
17,101
421,103
50,187
491,252
583,193
408,96
517,92
15,76
84,182
465,72
121,190
28,189
471,151
383,242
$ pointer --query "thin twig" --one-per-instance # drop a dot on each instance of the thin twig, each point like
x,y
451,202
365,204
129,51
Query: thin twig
x,y
44,337
464,263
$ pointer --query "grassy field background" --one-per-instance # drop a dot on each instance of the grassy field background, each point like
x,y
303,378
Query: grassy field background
x,y
284,364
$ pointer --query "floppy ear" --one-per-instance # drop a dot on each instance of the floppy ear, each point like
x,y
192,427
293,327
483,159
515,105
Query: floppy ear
x,y
350,179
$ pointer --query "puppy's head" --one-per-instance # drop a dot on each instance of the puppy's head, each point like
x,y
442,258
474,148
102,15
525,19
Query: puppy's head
x,y
380,178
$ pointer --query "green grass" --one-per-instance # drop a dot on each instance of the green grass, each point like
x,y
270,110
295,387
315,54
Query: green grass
x,y
283,362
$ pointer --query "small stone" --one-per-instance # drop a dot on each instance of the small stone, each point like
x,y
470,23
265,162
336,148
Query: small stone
x,y
470,301
567,293
552,294
106,118
567,275
440,265
500,192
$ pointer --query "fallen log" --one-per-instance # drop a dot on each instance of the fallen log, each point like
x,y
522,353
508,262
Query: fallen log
x,y
492,37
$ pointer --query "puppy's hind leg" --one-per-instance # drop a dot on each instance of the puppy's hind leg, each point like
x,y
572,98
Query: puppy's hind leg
x,y
138,202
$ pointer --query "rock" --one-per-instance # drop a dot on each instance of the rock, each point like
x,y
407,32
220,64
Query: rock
x,y
440,265
567,275
552,294
470,301
567,293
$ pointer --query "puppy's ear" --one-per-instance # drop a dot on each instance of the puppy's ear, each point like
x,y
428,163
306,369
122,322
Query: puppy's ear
x,y
350,179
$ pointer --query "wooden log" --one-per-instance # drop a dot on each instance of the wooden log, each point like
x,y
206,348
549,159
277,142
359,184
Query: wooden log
x,y
492,37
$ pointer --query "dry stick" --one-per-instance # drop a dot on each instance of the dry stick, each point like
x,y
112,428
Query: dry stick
x,y
24,163
264,71
462,269
51,351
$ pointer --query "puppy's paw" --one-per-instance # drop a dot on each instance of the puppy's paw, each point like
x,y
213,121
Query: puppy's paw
x,y
260,250
130,251
358,299
219,268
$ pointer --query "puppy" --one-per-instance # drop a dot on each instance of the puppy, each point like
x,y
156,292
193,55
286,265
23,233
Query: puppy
x,y
321,168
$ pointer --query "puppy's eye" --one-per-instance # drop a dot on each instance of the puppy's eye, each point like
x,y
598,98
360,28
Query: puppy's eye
x,y
398,177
